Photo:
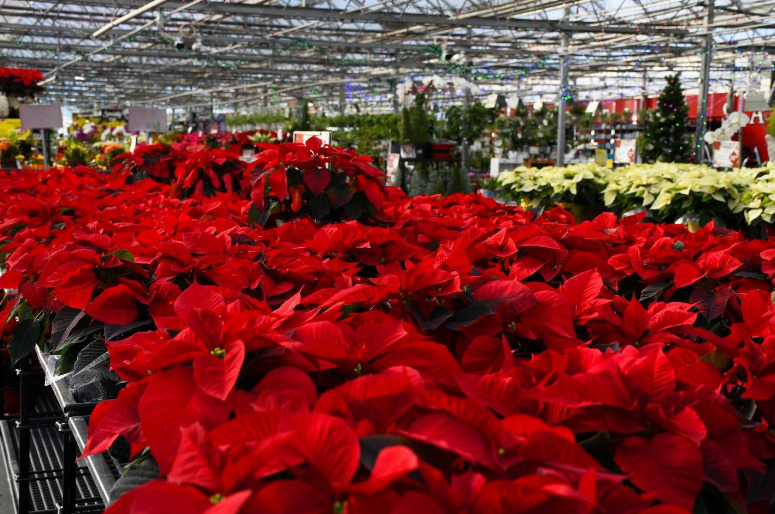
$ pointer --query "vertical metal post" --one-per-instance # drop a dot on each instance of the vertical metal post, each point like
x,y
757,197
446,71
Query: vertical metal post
x,y
69,468
702,99
394,87
464,150
23,477
46,143
645,99
740,98
341,99
563,94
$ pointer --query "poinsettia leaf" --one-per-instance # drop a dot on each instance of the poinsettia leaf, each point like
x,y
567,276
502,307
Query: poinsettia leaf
x,y
330,446
77,337
113,418
761,483
510,296
653,291
354,208
64,322
89,355
319,207
116,305
581,289
217,375
668,465
340,195
317,179
437,318
372,445
136,475
751,274
469,314
112,332
24,339
172,401
121,254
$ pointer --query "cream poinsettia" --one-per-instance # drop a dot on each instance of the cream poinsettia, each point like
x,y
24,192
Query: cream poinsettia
x,y
667,189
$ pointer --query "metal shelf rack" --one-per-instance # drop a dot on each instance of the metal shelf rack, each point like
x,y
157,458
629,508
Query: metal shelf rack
x,y
40,445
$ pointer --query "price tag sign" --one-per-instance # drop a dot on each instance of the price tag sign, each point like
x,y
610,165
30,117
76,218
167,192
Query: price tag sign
x,y
726,154
624,151
146,119
40,116
301,137
392,162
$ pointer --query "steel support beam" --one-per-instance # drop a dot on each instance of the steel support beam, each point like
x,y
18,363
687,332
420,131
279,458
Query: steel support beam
x,y
563,94
702,101
402,19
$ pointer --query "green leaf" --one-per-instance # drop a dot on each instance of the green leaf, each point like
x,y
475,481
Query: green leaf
x,y
469,314
113,331
319,207
143,470
76,337
653,291
438,316
65,321
91,355
24,339
121,254
354,209
254,214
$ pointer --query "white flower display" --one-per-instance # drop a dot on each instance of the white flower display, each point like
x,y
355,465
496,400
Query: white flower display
x,y
660,187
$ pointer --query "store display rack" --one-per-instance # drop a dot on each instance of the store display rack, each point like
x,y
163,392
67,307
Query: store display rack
x,y
40,446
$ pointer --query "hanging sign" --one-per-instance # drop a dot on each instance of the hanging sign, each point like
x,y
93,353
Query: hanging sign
x,y
624,151
301,137
40,116
147,119
726,154
392,162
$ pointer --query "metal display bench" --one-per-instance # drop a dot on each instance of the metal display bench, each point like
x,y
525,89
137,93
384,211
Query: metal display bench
x,y
40,446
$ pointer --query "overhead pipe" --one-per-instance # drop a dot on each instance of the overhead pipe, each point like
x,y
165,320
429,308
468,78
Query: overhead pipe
x,y
131,15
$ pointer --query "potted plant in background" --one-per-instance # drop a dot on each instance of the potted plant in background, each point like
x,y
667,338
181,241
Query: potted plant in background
x,y
17,86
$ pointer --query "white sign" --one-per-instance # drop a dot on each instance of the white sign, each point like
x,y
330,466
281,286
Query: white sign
x,y
592,107
495,167
147,119
726,154
302,137
248,155
392,162
624,151
48,116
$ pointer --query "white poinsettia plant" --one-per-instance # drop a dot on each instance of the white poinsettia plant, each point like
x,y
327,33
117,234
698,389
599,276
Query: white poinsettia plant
x,y
667,190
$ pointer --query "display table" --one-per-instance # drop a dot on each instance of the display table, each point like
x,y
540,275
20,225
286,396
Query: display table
x,y
40,446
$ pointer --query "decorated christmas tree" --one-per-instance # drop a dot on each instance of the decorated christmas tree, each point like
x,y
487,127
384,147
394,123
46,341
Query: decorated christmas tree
x,y
666,133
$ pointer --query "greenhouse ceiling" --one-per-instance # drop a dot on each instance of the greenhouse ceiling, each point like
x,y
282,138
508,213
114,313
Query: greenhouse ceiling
x,y
257,54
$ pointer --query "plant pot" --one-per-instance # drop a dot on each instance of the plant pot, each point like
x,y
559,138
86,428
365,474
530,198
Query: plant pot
x,y
442,147
5,106
8,163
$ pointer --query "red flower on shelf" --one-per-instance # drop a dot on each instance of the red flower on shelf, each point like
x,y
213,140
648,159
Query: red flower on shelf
x,y
19,82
